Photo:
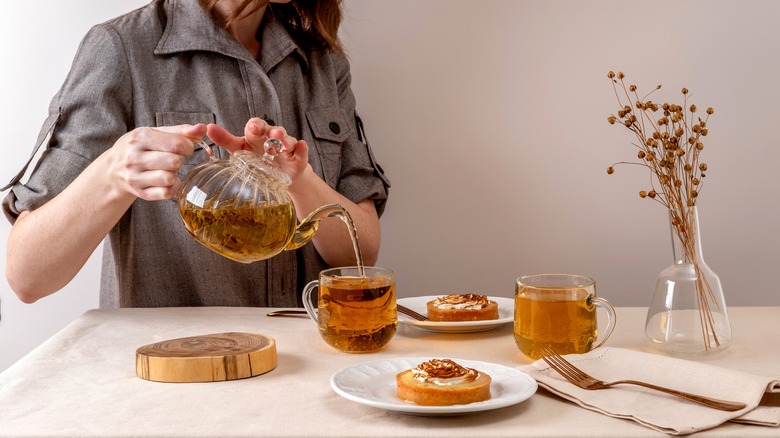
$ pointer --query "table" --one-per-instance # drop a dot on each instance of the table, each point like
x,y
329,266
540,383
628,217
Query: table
x,y
82,382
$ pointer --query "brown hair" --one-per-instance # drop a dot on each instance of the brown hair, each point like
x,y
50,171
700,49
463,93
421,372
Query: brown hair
x,y
313,23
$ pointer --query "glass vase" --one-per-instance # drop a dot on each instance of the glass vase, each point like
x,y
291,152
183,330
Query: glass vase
x,y
688,315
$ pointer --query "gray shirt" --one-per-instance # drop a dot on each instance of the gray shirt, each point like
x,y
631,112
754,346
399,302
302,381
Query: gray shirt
x,y
168,63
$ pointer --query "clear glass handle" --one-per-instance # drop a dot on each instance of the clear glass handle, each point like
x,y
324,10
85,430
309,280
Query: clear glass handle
x,y
307,301
611,319
205,146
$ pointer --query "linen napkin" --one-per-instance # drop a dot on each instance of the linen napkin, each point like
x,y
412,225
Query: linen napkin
x,y
654,409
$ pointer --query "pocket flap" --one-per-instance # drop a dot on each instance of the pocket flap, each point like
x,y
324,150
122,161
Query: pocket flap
x,y
329,124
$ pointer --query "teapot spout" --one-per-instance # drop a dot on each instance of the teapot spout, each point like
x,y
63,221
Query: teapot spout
x,y
308,226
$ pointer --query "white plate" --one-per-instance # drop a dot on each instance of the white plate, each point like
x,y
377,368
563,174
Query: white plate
x,y
506,308
373,384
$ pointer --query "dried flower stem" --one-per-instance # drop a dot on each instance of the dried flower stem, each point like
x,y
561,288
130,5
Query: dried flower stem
x,y
686,234
669,145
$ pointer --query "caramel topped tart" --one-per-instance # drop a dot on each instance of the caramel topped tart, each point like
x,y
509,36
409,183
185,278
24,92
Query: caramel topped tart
x,y
461,301
443,372
442,382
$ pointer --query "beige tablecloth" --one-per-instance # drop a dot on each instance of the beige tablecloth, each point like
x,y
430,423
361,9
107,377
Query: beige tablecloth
x,y
82,381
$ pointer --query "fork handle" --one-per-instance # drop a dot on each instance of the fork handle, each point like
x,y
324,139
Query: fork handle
x,y
723,405
411,313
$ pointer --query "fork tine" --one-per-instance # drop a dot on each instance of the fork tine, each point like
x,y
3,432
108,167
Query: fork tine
x,y
582,375
566,364
555,364
564,367
553,359
564,373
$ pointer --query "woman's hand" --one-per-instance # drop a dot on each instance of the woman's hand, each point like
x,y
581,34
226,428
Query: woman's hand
x,y
293,159
145,162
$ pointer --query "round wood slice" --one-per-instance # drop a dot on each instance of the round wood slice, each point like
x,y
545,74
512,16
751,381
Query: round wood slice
x,y
207,358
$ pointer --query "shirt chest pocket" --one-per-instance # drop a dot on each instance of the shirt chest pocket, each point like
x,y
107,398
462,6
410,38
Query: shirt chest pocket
x,y
173,119
330,128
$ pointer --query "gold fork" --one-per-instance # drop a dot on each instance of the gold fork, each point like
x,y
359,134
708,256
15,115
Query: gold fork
x,y
585,381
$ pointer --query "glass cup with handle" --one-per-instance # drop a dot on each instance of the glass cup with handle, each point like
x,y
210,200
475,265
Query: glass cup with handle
x,y
354,313
558,311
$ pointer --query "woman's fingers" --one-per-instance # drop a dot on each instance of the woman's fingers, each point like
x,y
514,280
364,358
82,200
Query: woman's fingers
x,y
293,158
222,137
155,184
183,137
256,133
147,160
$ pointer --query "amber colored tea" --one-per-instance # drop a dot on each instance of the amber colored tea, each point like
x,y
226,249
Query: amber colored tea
x,y
357,314
562,320
241,233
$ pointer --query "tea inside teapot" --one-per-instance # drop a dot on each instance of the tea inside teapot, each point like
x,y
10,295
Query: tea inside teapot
x,y
243,232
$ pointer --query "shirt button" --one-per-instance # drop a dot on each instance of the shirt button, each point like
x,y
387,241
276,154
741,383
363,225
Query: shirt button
x,y
334,127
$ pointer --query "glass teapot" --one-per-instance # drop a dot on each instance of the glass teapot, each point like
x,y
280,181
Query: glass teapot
x,y
239,207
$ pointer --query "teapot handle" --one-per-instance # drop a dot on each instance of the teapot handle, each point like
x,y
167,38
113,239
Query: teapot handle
x,y
205,146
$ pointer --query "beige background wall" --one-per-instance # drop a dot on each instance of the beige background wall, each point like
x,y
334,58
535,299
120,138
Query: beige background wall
x,y
490,118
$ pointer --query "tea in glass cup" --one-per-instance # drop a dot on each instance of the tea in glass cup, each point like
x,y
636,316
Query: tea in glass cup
x,y
558,311
354,313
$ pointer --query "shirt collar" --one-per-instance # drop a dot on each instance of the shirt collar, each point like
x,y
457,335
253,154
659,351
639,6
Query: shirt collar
x,y
189,28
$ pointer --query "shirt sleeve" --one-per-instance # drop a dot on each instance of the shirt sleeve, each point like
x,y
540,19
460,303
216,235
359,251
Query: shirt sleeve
x,y
361,177
88,114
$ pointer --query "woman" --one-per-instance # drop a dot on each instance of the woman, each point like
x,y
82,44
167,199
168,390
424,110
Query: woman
x,y
142,89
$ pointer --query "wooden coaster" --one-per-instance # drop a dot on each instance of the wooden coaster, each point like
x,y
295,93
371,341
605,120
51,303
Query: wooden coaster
x,y
207,358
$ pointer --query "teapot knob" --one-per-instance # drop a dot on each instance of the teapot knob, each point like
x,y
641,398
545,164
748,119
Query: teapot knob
x,y
272,147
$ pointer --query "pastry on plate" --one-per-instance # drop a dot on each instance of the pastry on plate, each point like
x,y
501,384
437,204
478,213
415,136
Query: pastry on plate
x,y
462,307
442,382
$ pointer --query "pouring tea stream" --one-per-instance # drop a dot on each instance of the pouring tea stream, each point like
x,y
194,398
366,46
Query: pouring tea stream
x,y
239,207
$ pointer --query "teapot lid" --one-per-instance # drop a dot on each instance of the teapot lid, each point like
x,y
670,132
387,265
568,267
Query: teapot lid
x,y
265,165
